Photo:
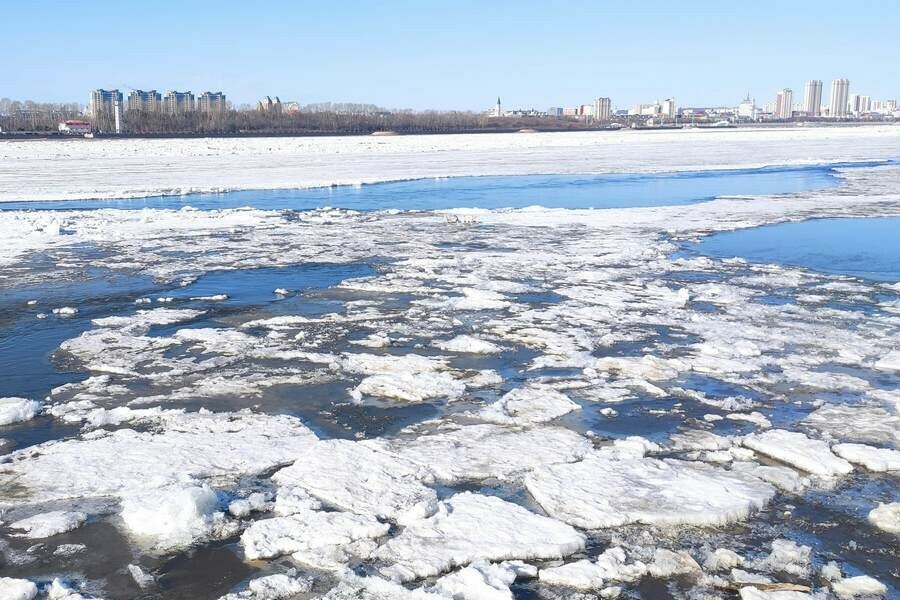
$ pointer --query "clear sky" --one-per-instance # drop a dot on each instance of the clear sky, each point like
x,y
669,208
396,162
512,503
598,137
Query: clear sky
x,y
450,54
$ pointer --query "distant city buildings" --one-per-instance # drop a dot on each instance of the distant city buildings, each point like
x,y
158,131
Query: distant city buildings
x,y
784,104
212,102
105,109
812,104
267,105
663,110
747,109
602,109
840,90
150,101
176,103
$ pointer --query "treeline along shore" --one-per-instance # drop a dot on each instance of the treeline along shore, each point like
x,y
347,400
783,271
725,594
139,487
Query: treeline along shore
x,y
237,123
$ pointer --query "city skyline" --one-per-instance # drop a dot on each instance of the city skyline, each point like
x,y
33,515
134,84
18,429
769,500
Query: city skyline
x,y
531,54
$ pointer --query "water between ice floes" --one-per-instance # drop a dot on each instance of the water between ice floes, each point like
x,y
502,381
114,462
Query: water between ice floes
x,y
551,191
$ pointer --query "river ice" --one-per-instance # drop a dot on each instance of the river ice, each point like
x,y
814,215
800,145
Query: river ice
x,y
509,404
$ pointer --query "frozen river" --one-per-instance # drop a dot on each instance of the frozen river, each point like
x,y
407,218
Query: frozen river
x,y
473,387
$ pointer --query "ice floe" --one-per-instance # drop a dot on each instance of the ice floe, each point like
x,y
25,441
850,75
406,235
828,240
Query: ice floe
x,y
602,491
474,527
795,449
16,410
48,524
873,459
886,517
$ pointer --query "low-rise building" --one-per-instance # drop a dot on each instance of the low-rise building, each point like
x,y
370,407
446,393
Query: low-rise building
x,y
73,127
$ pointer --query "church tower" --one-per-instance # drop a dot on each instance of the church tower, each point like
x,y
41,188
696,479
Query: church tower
x,y
498,112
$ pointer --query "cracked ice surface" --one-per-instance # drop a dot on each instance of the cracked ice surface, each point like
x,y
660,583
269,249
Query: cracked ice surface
x,y
551,383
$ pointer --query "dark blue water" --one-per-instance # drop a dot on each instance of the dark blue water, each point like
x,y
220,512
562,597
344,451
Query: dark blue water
x,y
867,248
552,191
27,343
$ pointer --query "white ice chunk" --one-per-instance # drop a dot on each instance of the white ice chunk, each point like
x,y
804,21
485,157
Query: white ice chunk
x,y
359,477
50,523
871,424
889,362
469,344
174,516
273,587
142,579
481,580
255,502
320,539
797,450
477,452
886,517
723,559
873,459
601,491
473,527
65,311
667,563
17,589
198,445
862,585
752,593
787,556
526,405
16,410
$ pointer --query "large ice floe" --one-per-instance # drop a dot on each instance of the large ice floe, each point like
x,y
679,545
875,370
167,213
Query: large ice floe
x,y
604,491
536,402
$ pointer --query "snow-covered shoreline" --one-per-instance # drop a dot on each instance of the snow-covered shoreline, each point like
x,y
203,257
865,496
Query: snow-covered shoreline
x,y
131,168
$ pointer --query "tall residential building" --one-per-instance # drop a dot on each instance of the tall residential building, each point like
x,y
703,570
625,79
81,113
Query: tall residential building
x,y
840,90
667,108
784,104
178,102
853,104
813,100
602,109
865,104
150,101
104,102
106,110
211,102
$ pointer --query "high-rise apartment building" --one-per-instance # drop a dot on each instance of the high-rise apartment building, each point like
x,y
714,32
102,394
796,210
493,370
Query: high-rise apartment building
x,y
602,109
784,104
211,102
864,105
178,102
106,109
813,100
150,101
840,91
104,102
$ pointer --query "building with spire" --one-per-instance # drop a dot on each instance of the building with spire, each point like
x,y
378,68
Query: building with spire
x,y
498,112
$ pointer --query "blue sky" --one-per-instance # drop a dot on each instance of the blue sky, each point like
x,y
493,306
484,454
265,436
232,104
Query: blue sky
x,y
443,55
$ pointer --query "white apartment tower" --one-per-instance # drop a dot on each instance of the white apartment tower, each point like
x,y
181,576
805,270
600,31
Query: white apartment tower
x,y
840,90
602,109
784,104
813,100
